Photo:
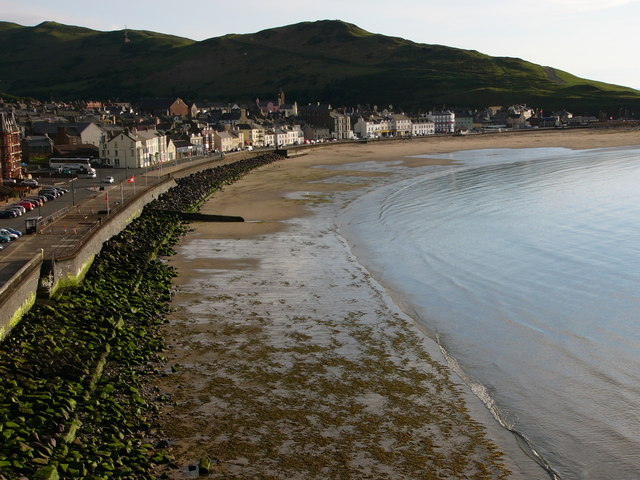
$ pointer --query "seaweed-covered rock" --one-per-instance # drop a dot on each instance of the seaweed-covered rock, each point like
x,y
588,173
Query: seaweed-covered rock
x,y
72,401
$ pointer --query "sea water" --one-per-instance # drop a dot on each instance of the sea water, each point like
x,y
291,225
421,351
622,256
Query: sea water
x,y
524,264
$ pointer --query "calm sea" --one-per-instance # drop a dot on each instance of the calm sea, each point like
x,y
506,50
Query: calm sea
x,y
525,266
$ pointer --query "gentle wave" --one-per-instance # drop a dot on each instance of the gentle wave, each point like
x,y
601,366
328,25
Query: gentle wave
x,y
524,265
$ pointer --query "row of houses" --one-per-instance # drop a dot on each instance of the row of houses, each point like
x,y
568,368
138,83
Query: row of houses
x,y
158,131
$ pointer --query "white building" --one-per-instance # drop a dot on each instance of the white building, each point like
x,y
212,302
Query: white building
x,y
227,141
295,135
422,126
373,127
137,149
269,138
400,124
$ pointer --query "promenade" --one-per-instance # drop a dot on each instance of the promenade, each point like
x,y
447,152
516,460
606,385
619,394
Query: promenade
x,y
64,231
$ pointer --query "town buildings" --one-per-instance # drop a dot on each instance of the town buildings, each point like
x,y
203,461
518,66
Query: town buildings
x,y
158,131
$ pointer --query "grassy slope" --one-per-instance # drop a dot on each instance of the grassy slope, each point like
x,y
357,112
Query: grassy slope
x,y
326,60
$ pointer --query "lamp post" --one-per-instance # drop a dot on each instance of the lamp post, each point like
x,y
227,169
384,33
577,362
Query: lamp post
x,y
73,191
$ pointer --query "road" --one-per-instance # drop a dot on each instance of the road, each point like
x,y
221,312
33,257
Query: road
x,y
83,188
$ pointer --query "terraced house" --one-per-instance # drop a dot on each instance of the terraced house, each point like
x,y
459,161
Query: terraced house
x,y
138,149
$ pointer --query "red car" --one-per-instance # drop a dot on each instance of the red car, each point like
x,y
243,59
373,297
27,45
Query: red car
x,y
27,205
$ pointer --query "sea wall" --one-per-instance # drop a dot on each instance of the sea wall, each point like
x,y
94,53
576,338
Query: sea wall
x,y
18,295
68,271
40,277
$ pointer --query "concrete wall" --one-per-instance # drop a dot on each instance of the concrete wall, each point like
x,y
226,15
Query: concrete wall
x,y
18,295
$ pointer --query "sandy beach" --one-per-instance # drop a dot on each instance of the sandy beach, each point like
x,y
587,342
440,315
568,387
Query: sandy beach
x,y
287,360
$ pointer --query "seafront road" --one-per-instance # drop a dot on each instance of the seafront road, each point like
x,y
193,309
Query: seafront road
x,y
71,217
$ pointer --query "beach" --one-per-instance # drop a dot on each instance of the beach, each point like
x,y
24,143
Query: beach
x,y
286,359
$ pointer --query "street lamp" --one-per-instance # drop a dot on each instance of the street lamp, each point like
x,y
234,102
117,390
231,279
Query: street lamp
x,y
73,191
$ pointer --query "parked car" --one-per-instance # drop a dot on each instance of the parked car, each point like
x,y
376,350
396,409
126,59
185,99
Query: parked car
x,y
22,208
38,201
13,230
107,179
48,195
34,203
9,181
49,191
5,238
27,205
8,214
30,182
18,210
12,236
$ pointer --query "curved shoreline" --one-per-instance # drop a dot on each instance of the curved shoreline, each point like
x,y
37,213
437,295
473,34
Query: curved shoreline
x,y
278,202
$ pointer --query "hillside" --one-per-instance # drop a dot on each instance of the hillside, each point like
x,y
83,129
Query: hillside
x,y
330,61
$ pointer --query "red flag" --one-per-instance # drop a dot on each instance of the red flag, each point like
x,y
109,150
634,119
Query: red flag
x,y
131,180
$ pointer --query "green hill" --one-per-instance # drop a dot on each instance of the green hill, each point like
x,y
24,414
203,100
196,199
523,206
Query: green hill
x,y
328,61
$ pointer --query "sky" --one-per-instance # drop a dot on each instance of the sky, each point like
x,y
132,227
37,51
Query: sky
x,y
592,39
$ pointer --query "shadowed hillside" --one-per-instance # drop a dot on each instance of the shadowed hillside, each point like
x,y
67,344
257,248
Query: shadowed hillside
x,y
330,61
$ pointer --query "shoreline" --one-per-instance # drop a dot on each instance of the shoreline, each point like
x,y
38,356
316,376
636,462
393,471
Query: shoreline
x,y
284,204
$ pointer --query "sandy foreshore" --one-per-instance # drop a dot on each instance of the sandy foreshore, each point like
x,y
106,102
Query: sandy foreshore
x,y
290,361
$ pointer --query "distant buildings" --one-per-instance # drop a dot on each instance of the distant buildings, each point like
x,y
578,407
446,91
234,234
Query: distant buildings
x,y
160,130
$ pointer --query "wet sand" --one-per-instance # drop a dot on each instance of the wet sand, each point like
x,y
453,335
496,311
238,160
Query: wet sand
x,y
290,361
